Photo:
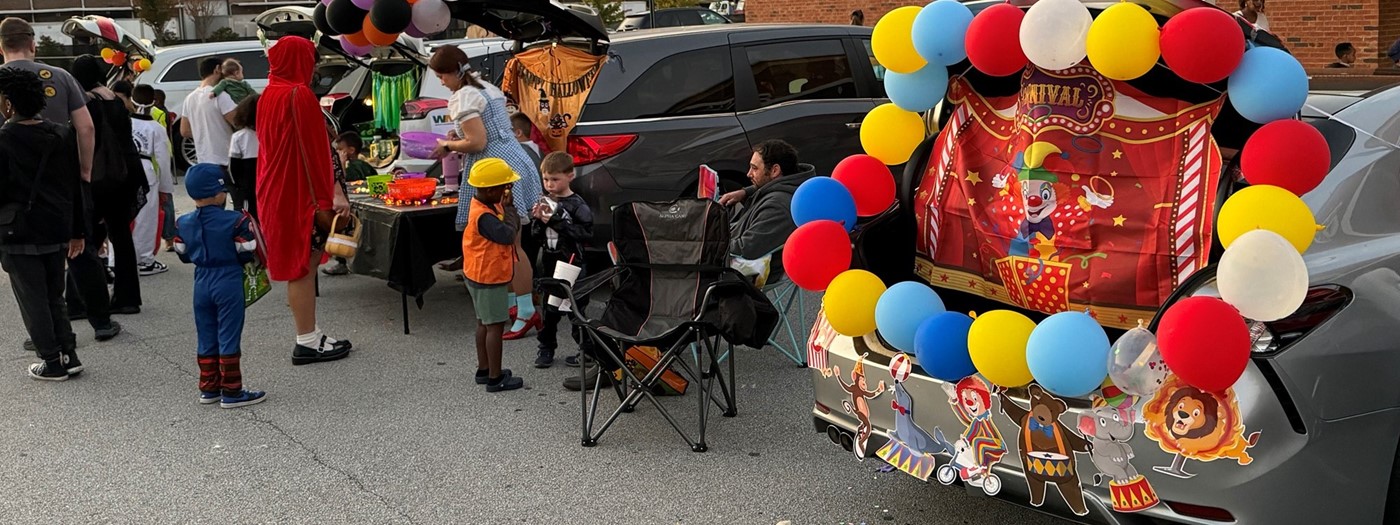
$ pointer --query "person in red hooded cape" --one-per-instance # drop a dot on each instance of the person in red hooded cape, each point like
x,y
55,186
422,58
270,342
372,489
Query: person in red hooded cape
x,y
294,183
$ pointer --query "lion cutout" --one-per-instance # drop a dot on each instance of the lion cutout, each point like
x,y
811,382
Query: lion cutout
x,y
1194,424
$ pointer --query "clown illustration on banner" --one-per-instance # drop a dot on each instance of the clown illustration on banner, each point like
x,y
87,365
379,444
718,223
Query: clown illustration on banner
x,y
1077,192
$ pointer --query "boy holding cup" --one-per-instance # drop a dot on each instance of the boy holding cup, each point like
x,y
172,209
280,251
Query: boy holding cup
x,y
561,224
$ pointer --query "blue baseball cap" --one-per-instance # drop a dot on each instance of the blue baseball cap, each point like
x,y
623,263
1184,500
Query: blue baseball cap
x,y
203,181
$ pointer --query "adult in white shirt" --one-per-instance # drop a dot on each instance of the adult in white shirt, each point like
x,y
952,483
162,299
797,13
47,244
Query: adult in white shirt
x,y
1252,11
209,120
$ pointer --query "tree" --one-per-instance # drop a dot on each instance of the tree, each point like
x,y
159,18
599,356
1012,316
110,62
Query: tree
x,y
156,14
49,47
609,11
203,12
666,4
224,34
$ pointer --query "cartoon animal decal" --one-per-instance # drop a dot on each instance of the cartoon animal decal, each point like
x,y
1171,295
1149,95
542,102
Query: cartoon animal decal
x,y
1194,424
980,445
1048,448
910,448
858,405
1109,428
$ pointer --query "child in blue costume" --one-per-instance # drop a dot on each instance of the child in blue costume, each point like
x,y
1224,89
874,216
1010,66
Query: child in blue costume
x,y
218,242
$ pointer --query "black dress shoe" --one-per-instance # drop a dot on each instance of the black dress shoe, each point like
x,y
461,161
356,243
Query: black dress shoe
x,y
126,310
305,355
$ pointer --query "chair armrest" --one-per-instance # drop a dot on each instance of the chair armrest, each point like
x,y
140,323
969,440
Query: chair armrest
x,y
729,278
584,287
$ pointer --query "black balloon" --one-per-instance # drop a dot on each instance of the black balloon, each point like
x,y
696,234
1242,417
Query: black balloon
x,y
318,17
344,17
391,16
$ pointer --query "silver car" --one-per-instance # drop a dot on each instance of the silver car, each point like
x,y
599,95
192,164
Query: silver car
x,y
1317,406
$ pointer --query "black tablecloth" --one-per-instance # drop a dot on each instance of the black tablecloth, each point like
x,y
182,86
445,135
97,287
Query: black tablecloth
x,y
401,244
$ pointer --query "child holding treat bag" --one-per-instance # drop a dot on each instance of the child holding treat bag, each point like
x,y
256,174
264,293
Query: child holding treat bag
x,y
561,224
488,260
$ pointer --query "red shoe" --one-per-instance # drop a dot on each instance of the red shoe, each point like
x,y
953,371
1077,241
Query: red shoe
x,y
514,311
533,323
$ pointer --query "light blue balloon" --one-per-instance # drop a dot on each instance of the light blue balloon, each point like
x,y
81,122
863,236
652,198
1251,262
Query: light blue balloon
x,y
919,91
824,198
1068,354
940,32
1268,85
902,308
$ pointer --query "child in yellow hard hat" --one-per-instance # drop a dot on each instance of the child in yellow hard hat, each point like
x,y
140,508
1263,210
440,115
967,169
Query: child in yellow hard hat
x,y
488,259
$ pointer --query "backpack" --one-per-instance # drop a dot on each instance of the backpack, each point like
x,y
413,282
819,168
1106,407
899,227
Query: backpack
x,y
113,155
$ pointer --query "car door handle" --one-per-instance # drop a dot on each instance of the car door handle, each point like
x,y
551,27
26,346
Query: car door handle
x,y
852,125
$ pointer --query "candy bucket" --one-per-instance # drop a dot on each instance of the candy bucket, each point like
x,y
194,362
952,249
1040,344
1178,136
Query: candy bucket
x,y
378,184
419,144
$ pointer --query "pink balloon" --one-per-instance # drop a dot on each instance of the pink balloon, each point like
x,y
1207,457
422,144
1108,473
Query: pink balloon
x,y
363,4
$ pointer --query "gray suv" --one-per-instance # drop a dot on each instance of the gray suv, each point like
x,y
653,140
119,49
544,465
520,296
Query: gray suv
x,y
669,100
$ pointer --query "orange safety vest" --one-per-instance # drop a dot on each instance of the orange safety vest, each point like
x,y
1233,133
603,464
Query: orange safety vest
x,y
483,261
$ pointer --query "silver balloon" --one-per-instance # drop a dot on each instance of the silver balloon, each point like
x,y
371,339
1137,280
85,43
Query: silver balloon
x,y
1135,365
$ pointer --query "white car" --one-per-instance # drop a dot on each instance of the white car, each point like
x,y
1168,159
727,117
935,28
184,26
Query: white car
x,y
428,112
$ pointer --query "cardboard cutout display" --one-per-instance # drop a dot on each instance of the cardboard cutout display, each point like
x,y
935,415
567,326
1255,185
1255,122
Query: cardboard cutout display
x,y
1109,427
858,405
1047,447
910,448
1199,425
980,446
1076,192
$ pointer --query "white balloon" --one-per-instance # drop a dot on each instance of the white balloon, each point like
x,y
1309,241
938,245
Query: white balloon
x,y
431,16
1263,276
1054,33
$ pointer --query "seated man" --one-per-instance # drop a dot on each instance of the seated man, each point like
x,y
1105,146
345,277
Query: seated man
x,y
763,225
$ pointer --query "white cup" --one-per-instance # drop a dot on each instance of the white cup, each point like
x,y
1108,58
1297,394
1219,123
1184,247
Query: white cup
x,y
567,272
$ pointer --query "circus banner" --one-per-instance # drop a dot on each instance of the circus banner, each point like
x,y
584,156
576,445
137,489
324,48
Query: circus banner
x,y
1075,192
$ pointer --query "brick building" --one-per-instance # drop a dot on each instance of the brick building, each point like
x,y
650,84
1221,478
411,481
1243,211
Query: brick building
x,y
1310,28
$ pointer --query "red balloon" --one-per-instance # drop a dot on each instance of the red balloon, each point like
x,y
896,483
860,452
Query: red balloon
x,y
869,181
1288,154
1202,44
816,253
994,41
1205,342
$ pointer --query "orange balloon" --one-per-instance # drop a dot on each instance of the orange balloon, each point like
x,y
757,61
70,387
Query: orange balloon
x,y
357,38
377,37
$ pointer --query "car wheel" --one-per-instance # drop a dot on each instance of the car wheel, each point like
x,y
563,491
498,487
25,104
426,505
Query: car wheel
x,y
188,152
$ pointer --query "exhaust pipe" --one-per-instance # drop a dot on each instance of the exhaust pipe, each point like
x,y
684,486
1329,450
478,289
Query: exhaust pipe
x,y
833,434
846,442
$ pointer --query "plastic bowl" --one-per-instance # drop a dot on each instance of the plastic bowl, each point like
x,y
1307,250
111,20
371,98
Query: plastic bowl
x,y
378,184
419,144
412,189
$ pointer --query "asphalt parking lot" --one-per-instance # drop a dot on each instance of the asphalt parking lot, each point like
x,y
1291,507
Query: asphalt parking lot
x,y
398,433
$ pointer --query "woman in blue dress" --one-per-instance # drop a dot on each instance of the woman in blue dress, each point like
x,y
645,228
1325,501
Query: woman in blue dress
x,y
483,130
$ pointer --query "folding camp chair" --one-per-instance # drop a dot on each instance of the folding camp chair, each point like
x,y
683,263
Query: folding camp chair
x,y
670,289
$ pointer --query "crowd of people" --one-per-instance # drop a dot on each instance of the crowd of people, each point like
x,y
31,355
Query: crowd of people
x,y
98,194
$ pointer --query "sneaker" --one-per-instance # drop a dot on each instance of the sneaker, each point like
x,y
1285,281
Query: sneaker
x,y
71,363
576,359
126,310
156,267
506,383
112,330
481,377
29,346
305,355
48,371
336,268
169,246
544,359
594,376
209,398
244,398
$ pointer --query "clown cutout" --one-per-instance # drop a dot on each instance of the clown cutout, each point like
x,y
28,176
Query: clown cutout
x,y
980,445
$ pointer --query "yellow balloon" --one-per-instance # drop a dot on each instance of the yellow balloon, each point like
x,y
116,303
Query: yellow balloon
x,y
997,343
850,302
893,41
107,53
1269,208
891,134
1123,42
143,65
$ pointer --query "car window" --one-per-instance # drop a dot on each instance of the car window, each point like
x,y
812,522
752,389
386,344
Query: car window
x,y
699,82
801,71
707,18
633,22
254,64
688,17
183,71
667,19
874,63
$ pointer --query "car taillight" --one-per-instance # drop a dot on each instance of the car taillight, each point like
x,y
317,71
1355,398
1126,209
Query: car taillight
x,y
821,408
1200,511
594,149
328,101
1321,303
419,108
